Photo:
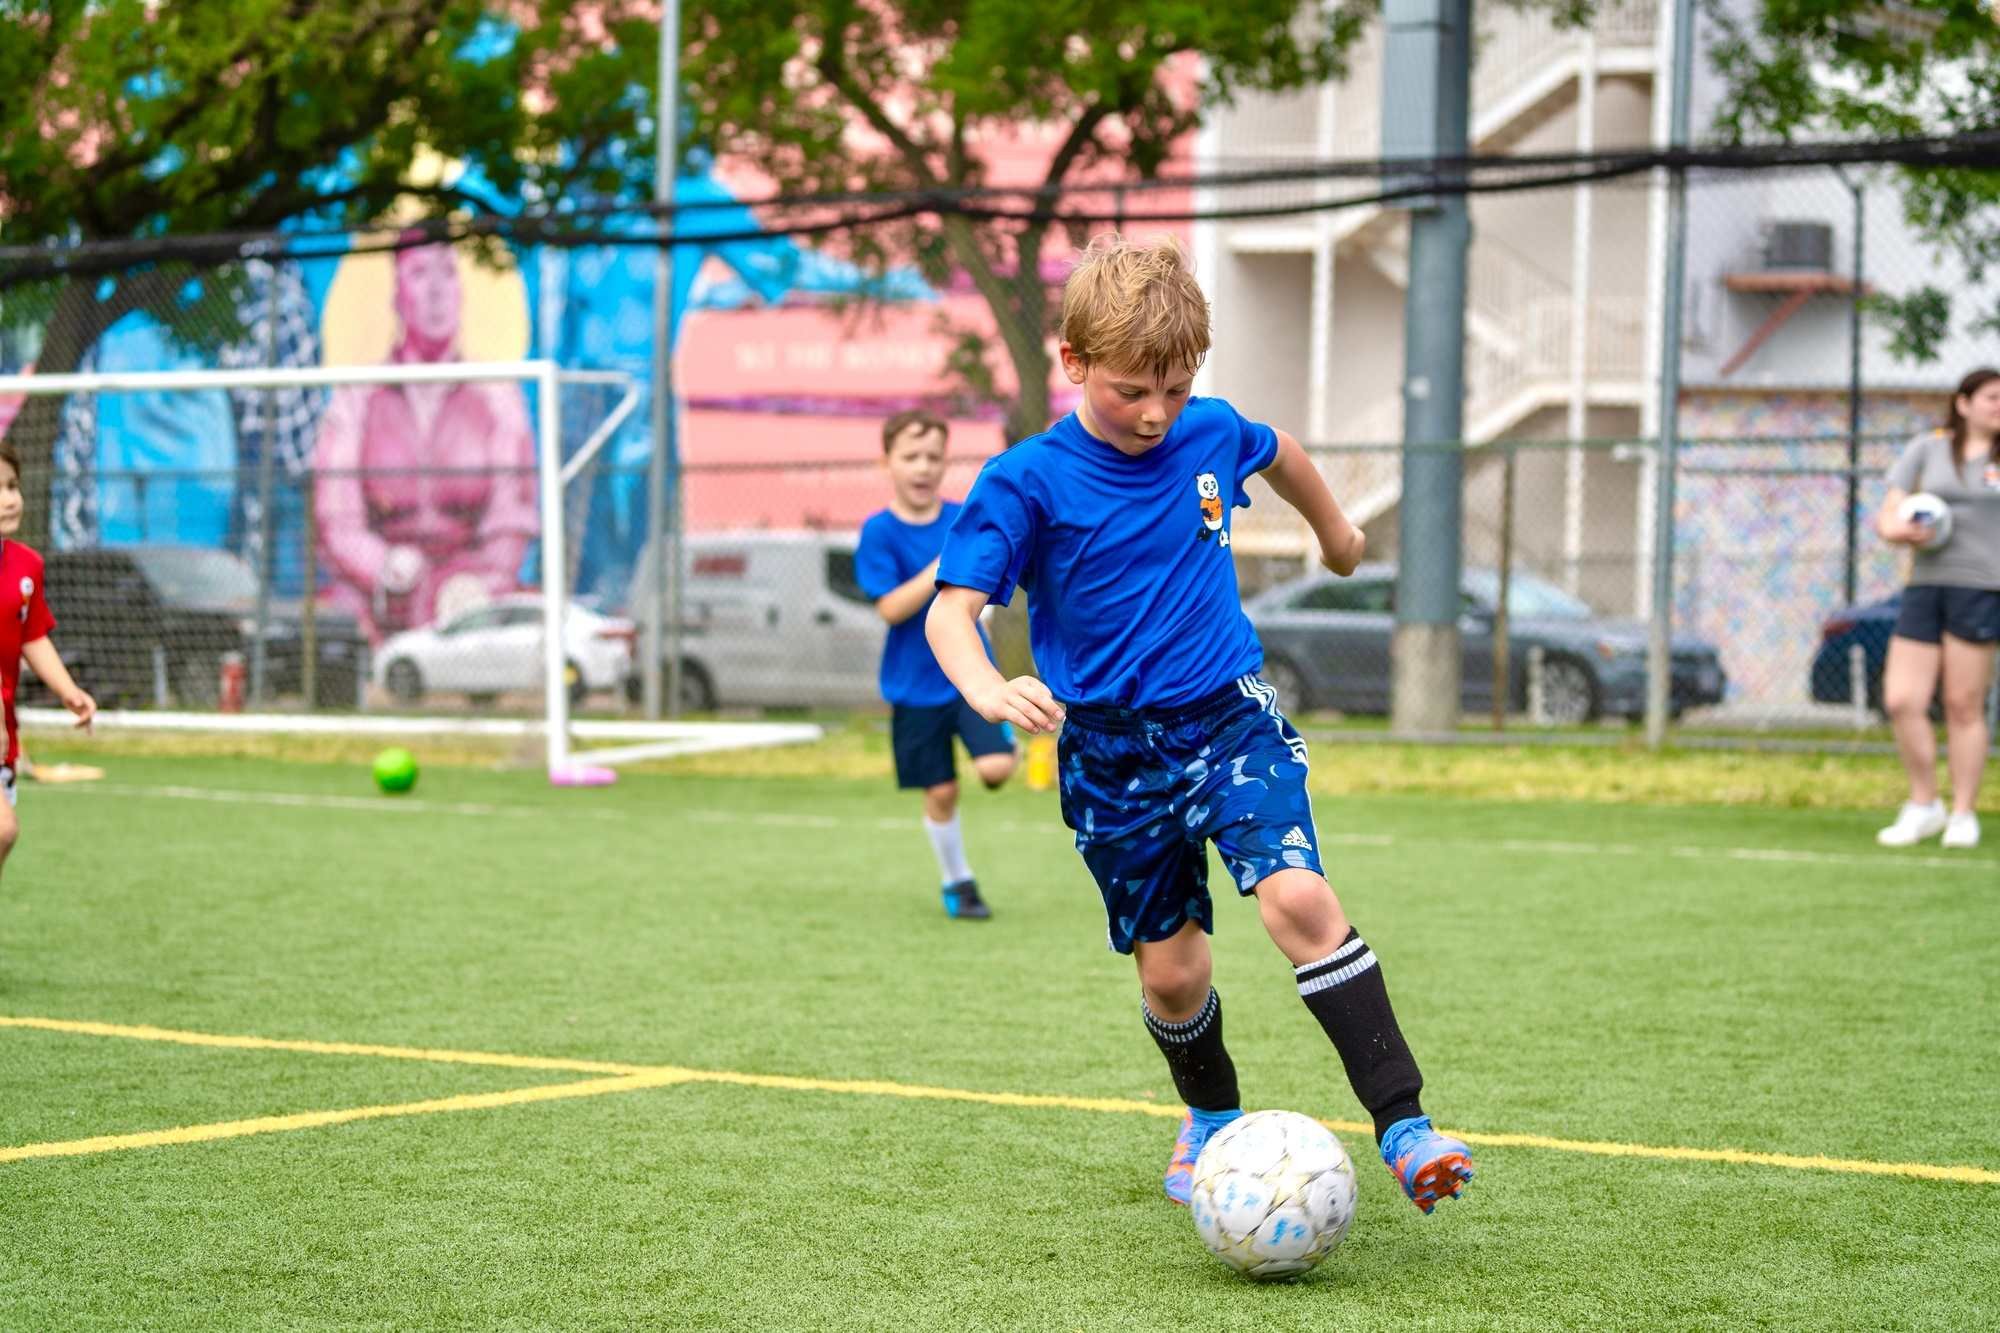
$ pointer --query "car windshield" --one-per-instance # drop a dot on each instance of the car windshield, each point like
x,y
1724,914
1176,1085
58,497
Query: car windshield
x,y
1528,598
190,576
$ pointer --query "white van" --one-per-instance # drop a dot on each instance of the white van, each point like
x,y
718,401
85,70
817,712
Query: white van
x,y
771,619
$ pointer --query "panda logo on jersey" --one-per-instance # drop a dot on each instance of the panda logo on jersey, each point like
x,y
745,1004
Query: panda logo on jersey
x,y
1210,492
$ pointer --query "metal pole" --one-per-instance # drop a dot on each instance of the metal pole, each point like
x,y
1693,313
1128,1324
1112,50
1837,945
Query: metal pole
x,y
265,527
1426,92
662,618
555,565
1659,655
1501,649
1581,227
1853,397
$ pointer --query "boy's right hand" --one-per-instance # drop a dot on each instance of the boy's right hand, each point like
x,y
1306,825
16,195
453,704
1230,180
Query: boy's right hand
x,y
1023,701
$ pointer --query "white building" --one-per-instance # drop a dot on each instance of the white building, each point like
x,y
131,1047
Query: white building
x,y
1563,312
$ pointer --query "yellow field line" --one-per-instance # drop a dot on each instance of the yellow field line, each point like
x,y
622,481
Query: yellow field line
x,y
647,1076
1965,1175
86,1029
279,1124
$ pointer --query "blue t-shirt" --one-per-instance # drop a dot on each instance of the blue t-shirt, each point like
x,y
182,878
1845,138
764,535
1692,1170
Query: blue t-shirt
x,y
890,554
1132,596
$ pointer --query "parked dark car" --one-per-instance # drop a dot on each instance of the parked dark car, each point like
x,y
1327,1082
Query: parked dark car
x,y
135,621
1326,645
1870,626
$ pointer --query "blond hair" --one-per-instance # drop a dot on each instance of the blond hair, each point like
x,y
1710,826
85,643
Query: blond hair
x,y
1135,306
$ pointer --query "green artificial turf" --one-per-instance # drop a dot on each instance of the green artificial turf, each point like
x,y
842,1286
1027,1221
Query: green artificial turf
x,y
1679,977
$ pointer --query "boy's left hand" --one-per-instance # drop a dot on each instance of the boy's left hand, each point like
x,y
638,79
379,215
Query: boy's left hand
x,y
81,704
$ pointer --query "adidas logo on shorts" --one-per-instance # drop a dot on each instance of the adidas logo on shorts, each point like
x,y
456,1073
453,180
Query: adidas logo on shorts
x,y
1296,838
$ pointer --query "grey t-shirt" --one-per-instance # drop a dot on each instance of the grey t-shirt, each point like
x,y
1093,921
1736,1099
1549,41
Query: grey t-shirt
x,y
1971,559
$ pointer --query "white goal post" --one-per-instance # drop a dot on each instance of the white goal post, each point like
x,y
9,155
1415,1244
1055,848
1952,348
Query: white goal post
x,y
567,763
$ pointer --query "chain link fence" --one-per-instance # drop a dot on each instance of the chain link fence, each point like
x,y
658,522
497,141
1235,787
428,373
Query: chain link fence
x,y
166,595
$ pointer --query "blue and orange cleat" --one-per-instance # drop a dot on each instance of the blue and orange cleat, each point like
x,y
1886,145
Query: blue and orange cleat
x,y
1196,1130
1428,1165
963,903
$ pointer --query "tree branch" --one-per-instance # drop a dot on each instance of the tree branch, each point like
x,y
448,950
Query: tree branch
x,y
833,67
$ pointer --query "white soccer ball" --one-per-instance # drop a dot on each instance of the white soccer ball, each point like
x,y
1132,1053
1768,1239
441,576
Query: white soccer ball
x,y
1932,512
1273,1194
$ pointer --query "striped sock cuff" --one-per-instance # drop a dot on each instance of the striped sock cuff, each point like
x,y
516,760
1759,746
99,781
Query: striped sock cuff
x,y
1344,964
1187,1030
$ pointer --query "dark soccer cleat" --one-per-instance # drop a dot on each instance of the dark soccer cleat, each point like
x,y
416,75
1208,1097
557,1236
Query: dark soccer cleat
x,y
963,903
1428,1165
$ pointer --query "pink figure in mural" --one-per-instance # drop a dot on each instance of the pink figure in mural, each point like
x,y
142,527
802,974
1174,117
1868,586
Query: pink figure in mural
x,y
426,497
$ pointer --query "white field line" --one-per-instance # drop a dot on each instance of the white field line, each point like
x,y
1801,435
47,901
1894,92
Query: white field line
x,y
787,819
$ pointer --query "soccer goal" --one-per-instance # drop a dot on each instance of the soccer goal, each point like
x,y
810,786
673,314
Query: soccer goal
x,y
382,550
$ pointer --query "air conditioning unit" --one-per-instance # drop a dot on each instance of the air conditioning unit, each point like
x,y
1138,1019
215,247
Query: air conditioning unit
x,y
1792,246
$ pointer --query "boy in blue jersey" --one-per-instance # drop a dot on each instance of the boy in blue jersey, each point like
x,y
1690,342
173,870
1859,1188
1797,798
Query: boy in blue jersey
x,y
896,565
1116,520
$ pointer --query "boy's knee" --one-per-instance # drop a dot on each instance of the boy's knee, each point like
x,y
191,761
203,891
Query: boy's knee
x,y
994,769
1302,900
1176,986
940,801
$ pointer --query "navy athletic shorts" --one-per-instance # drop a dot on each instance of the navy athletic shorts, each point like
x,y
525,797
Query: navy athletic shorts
x,y
1930,612
921,737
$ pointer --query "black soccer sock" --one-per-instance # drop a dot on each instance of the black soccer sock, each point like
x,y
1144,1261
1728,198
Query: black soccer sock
x,y
1344,990
1203,1072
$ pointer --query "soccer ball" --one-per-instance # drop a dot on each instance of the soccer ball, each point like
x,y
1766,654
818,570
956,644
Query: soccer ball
x,y
395,770
1273,1194
1932,512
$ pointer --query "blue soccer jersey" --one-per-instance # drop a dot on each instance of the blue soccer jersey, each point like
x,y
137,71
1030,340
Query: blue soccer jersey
x,y
890,554
1132,598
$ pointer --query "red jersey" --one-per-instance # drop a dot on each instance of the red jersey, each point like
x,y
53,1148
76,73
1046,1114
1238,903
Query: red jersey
x,y
24,617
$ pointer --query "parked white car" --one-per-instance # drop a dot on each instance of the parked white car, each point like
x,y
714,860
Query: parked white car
x,y
497,649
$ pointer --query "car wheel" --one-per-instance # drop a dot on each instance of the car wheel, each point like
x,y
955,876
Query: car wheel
x,y
1290,683
405,682
1569,694
697,694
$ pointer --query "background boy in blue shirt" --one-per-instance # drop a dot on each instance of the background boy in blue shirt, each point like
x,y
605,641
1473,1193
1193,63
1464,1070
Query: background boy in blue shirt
x,y
896,565
1116,520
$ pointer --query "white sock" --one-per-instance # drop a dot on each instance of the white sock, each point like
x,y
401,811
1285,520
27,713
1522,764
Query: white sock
x,y
949,844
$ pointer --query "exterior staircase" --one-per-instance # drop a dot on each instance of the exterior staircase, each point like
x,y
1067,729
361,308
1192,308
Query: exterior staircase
x,y
1518,315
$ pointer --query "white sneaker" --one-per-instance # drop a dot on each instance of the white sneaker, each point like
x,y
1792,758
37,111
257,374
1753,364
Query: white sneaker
x,y
1963,830
1914,823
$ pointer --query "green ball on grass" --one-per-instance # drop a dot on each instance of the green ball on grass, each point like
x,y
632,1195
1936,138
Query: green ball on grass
x,y
395,770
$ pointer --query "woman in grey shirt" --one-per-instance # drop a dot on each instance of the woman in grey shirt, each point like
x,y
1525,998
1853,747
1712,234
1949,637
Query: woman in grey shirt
x,y
1950,619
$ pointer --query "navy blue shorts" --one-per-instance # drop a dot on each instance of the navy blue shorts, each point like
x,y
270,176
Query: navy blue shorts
x,y
1146,790
921,737
1930,612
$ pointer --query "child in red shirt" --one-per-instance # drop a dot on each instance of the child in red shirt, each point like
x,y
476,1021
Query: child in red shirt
x,y
25,623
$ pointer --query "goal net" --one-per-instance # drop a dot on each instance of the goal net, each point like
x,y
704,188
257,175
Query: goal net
x,y
394,550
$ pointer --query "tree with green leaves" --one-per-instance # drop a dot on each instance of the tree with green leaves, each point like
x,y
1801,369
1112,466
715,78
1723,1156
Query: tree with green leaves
x,y
139,119
788,85
1813,68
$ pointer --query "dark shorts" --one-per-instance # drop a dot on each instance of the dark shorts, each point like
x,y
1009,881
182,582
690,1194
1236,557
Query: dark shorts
x,y
1146,791
921,737
1930,612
